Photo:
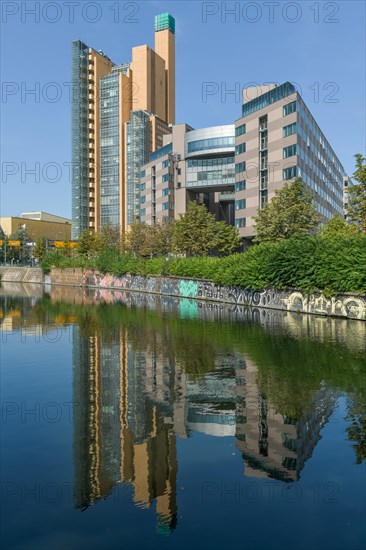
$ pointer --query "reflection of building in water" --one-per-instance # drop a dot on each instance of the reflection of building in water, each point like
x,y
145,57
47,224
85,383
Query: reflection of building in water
x,y
274,445
131,405
212,400
119,435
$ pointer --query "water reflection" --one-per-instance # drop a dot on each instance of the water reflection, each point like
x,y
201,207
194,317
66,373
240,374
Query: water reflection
x,y
147,371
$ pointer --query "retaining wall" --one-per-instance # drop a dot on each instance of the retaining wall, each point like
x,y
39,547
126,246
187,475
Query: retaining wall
x,y
21,274
343,305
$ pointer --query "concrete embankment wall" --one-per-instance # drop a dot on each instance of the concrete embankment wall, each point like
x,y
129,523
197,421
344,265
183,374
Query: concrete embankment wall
x,y
344,305
21,274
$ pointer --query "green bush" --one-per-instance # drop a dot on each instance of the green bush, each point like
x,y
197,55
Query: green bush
x,y
332,265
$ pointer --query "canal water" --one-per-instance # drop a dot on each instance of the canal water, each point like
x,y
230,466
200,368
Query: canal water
x,y
133,421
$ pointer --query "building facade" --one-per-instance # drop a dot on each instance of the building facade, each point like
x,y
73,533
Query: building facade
x,y
236,169
119,113
38,225
194,165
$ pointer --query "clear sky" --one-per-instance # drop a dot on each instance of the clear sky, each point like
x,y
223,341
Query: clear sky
x,y
220,46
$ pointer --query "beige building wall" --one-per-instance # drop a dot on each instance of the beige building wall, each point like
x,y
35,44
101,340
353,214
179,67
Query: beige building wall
x,y
148,73
165,47
37,229
276,162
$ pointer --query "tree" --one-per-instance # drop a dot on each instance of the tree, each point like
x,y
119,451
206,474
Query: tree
x,y
87,245
197,233
40,249
337,227
356,209
139,239
19,254
290,213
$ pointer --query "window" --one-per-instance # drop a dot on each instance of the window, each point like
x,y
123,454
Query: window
x,y
143,212
239,167
240,222
289,151
165,178
289,173
289,130
142,174
240,204
179,171
142,186
289,108
165,206
165,192
240,149
240,185
165,163
240,130
263,198
143,199
211,143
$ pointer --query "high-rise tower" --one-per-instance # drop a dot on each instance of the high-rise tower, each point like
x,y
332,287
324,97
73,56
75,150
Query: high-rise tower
x,y
119,116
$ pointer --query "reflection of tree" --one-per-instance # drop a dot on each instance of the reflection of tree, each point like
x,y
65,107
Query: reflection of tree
x,y
292,364
356,431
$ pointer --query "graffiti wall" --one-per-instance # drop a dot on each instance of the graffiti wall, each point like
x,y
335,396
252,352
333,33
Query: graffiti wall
x,y
345,305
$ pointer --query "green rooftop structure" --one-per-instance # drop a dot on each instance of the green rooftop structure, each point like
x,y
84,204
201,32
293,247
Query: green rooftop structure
x,y
164,22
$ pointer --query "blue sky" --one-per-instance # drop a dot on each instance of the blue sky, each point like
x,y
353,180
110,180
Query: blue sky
x,y
319,46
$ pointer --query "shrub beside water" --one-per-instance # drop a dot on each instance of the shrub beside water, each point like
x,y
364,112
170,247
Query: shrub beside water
x,y
308,263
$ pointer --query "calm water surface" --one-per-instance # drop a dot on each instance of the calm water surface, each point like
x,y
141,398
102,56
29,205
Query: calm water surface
x,y
131,421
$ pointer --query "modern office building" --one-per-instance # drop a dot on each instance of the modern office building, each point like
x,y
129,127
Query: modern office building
x,y
119,115
194,165
277,139
236,169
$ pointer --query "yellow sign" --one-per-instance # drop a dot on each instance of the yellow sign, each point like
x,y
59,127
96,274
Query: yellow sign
x,y
59,244
1,242
14,243
72,245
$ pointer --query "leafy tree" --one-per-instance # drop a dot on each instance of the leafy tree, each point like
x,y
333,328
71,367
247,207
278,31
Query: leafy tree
x,y
197,233
109,237
88,243
139,239
40,249
290,213
337,227
19,254
356,210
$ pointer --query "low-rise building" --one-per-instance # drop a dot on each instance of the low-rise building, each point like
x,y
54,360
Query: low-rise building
x,y
38,225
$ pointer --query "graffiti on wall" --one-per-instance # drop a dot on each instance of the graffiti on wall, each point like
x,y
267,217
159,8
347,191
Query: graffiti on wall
x,y
350,306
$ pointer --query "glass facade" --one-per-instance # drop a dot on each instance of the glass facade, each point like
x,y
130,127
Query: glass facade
x,y
210,171
278,93
211,143
161,152
139,146
165,21
80,144
109,148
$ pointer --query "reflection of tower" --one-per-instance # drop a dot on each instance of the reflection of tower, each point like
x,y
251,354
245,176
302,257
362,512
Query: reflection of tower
x,y
96,405
119,433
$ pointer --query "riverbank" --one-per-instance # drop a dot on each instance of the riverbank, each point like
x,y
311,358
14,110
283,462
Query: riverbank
x,y
349,306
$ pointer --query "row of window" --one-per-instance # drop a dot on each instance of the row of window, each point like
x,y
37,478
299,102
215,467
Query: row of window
x,y
241,148
289,108
240,167
240,222
210,143
240,185
240,204
276,94
289,151
201,163
240,130
290,172
289,130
